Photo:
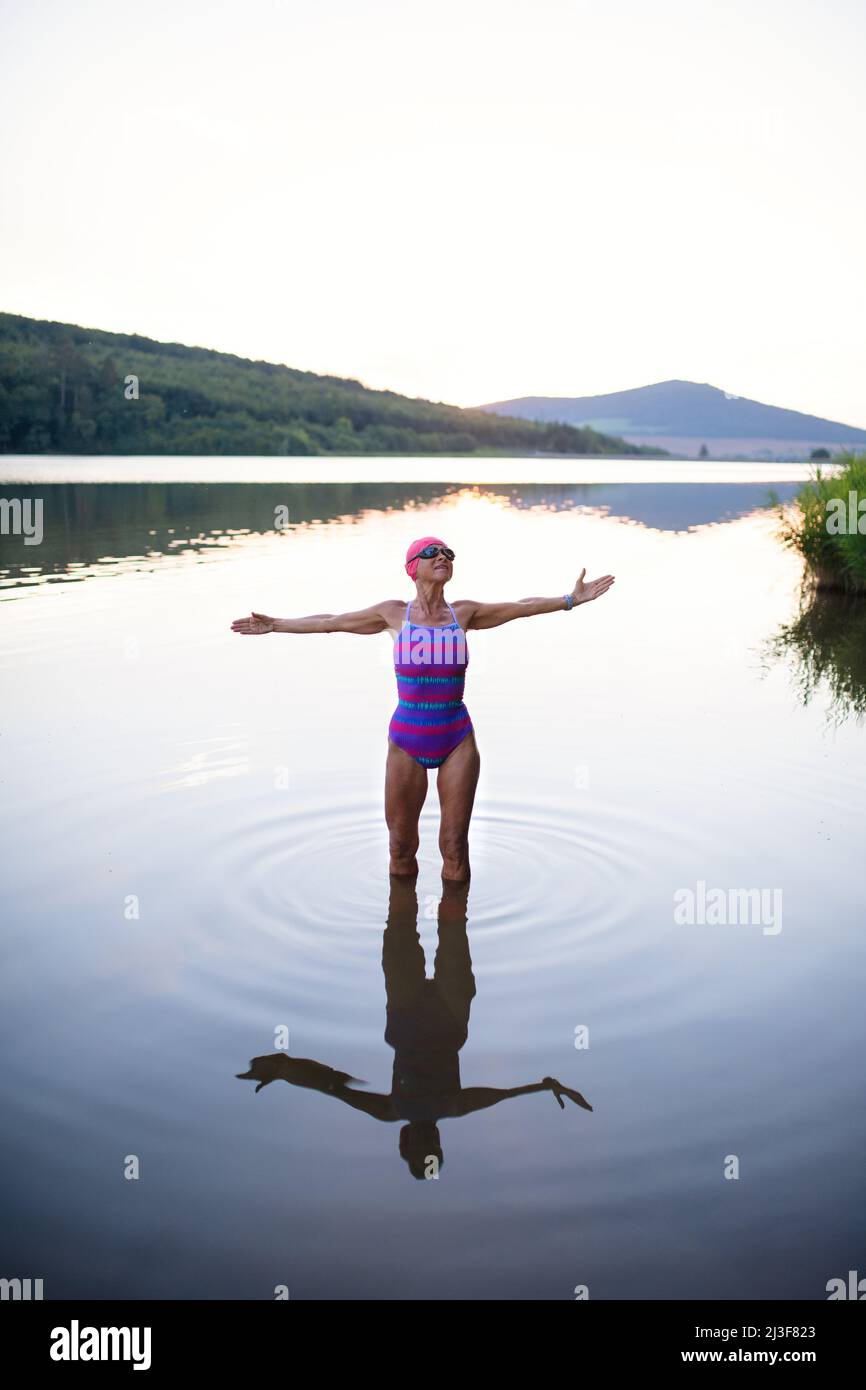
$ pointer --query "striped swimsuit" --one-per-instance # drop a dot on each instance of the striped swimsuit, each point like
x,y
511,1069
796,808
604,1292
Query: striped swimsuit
x,y
430,665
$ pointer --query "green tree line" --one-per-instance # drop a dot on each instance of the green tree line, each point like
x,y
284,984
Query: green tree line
x,y
67,390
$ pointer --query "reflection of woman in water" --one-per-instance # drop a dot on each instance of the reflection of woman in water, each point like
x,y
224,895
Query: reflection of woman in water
x,y
427,1023
430,727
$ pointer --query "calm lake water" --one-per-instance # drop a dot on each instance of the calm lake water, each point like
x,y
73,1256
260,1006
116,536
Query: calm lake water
x,y
196,874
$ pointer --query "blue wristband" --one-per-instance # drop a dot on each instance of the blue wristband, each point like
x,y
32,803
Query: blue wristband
x,y
569,602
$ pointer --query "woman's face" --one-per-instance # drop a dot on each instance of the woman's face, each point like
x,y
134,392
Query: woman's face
x,y
439,569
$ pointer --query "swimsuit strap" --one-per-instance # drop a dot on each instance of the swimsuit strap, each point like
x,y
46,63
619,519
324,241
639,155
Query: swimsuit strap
x,y
408,620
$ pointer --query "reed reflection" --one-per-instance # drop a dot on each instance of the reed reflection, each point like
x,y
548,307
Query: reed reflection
x,y
825,647
427,1024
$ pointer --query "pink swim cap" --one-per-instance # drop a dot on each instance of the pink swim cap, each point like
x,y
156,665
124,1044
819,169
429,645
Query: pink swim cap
x,y
412,568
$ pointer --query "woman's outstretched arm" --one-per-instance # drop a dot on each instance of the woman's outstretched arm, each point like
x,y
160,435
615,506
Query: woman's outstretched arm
x,y
481,1097
495,614
364,621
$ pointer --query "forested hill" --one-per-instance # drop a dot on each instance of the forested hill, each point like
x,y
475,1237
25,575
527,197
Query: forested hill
x,y
65,390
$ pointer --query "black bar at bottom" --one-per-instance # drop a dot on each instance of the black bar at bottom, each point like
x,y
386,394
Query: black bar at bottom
x,y
228,1337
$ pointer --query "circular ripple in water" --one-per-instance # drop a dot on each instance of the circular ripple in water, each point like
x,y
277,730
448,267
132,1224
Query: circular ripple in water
x,y
544,884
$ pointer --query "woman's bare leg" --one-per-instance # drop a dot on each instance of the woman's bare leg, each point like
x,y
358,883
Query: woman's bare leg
x,y
405,790
456,783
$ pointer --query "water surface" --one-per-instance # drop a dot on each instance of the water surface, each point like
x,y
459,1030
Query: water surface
x,y
195,864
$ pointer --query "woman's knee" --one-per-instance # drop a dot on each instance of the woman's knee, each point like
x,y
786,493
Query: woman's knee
x,y
403,842
453,844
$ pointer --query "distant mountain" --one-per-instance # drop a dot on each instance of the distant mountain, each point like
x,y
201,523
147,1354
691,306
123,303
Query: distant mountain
x,y
71,390
681,416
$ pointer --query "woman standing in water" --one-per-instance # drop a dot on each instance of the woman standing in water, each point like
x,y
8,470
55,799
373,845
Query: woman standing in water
x,y
430,727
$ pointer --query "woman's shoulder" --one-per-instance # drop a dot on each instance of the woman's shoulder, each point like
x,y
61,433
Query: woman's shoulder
x,y
390,607
393,610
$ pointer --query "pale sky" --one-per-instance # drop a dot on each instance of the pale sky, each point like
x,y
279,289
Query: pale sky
x,y
465,200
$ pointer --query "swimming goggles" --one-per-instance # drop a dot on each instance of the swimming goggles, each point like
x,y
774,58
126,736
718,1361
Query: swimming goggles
x,y
430,551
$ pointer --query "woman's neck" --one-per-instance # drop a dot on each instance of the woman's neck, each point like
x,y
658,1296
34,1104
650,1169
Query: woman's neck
x,y
429,598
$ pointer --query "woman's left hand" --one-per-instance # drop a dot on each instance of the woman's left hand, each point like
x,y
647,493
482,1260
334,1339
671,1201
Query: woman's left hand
x,y
585,593
551,1083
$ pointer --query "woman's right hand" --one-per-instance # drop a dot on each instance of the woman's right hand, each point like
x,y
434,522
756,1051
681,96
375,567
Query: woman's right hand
x,y
256,625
